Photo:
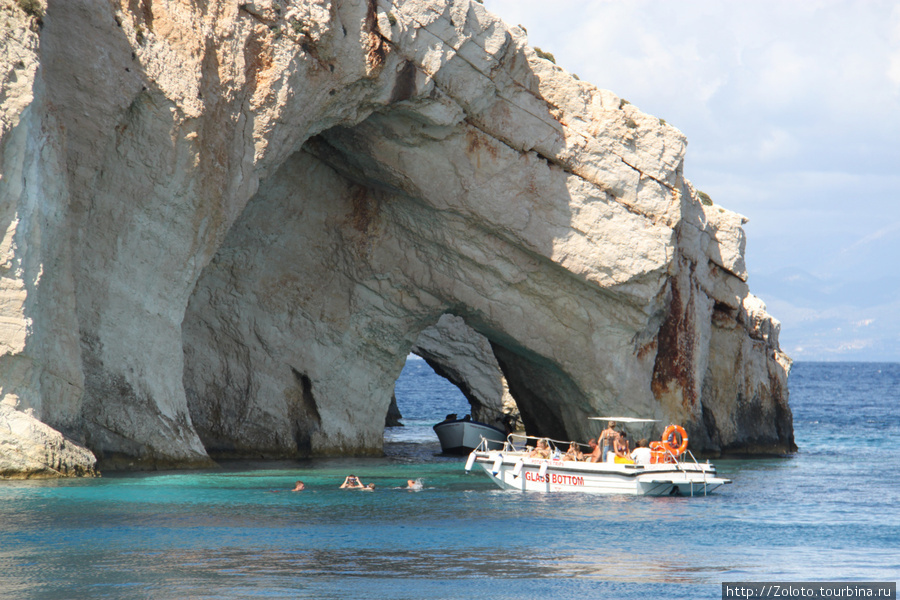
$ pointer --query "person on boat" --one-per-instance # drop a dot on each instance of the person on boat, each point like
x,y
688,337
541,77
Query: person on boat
x,y
573,453
619,448
542,450
352,482
594,455
641,455
607,438
299,487
509,423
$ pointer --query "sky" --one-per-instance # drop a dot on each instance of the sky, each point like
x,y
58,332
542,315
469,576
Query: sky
x,y
792,114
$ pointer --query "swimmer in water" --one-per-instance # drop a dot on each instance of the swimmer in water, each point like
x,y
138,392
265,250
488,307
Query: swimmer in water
x,y
352,482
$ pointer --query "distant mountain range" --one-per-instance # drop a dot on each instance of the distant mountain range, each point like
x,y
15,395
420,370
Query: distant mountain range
x,y
826,319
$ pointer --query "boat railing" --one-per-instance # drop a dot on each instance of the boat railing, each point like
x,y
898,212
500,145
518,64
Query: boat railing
x,y
703,471
681,459
511,441
517,442
485,445
693,458
555,445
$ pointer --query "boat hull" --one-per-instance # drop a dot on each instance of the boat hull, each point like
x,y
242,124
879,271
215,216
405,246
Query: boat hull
x,y
517,471
461,437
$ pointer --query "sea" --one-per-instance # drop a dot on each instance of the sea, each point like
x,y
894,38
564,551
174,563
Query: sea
x,y
830,512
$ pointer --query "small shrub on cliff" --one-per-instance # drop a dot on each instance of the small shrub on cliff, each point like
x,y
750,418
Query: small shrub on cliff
x,y
705,200
300,27
545,55
31,7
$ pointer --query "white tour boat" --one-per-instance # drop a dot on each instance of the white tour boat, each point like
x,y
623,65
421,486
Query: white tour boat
x,y
461,436
673,470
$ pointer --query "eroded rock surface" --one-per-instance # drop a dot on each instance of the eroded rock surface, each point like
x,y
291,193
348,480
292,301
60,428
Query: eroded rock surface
x,y
227,224
31,449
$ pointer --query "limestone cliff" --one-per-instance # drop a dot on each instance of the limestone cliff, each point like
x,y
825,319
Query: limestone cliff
x,y
226,224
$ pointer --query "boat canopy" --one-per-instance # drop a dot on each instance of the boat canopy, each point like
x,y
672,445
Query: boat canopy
x,y
624,419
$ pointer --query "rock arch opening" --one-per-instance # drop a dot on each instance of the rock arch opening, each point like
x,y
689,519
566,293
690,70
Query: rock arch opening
x,y
353,248
424,397
462,356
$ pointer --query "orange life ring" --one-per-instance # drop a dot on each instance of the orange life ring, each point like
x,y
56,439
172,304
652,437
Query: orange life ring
x,y
669,433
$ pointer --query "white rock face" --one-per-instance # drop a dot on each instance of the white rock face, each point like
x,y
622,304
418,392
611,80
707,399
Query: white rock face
x,y
464,357
227,224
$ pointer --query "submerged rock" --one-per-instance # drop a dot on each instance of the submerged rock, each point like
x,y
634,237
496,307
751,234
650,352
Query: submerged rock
x,y
225,226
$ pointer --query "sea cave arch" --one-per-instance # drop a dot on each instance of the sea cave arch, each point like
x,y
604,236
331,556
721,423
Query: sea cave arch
x,y
300,325
233,220
463,357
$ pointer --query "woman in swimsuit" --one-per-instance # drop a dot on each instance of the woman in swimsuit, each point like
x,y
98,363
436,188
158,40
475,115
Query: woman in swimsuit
x,y
542,450
620,446
573,453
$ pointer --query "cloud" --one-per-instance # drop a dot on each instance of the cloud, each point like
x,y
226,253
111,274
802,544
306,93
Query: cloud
x,y
815,70
875,236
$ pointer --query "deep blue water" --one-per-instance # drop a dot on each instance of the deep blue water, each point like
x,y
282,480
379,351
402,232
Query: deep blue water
x,y
828,513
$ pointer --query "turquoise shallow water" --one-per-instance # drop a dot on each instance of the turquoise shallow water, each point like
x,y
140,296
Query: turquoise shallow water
x,y
827,513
